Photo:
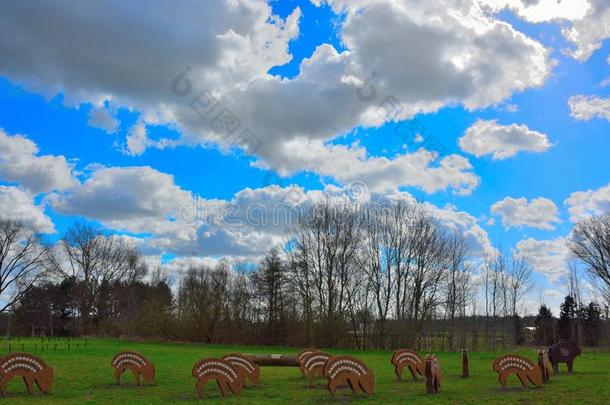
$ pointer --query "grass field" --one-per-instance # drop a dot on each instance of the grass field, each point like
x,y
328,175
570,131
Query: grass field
x,y
84,376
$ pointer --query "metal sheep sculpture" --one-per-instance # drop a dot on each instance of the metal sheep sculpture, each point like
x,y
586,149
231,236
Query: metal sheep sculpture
x,y
301,357
139,365
402,358
340,370
524,369
249,367
227,377
31,368
313,364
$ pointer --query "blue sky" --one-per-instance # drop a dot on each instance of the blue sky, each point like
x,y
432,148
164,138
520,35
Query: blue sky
x,y
533,89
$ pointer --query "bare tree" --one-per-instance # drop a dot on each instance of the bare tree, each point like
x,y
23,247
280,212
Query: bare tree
x,y
494,266
94,260
428,241
518,281
327,243
590,242
23,261
457,281
378,265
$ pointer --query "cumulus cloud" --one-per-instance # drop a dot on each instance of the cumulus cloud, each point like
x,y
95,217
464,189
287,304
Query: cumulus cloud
x,y
537,11
583,204
421,169
588,33
585,108
167,219
21,163
455,54
133,199
18,205
548,257
502,141
538,213
584,22
101,117
464,223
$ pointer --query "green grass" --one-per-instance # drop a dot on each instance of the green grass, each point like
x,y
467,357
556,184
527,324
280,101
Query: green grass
x,y
84,376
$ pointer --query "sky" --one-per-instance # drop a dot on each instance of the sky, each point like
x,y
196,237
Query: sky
x,y
173,125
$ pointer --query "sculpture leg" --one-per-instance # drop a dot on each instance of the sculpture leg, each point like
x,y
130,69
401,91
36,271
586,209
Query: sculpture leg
x,y
354,385
222,387
398,372
523,379
502,380
117,374
3,383
200,384
310,374
136,375
29,381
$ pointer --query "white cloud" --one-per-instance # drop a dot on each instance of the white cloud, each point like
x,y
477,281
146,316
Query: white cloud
x,y
137,140
548,257
584,108
381,174
583,204
101,117
502,141
21,163
455,54
133,199
18,205
538,213
585,23
461,221
588,33
537,11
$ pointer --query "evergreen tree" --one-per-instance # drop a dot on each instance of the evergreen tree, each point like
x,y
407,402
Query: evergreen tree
x,y
519,330
544,323
592,324
567,316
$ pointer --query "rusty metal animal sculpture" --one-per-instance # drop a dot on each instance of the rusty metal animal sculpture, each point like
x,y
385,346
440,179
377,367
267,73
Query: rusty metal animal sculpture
x,y
340,370
543,364
564,352
251,369
139,365
31,368
227,377
313,365
465,369
402,358
433,374
301,356
521,366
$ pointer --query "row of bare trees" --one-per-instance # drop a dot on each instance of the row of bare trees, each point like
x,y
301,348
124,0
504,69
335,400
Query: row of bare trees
x,y
87,267
361,276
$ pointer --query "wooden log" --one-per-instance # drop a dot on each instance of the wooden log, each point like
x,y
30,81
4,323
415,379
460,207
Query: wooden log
x,y
275,360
